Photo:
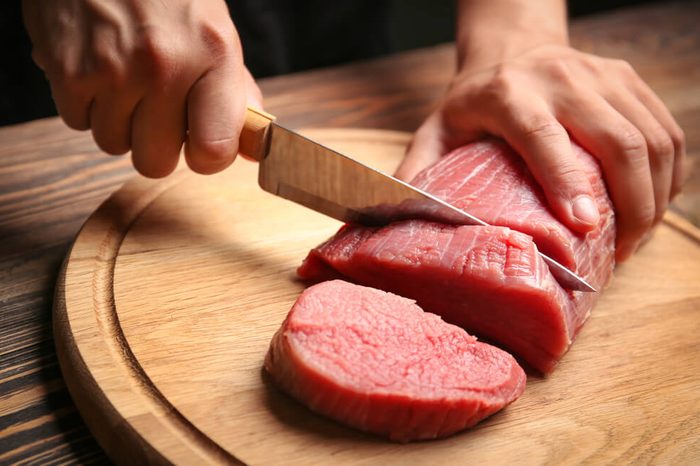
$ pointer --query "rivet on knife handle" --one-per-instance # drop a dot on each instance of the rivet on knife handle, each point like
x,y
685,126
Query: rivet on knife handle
x,y
254,141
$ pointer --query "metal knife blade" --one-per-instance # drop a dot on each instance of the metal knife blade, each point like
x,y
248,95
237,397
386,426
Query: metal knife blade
x,y
308,173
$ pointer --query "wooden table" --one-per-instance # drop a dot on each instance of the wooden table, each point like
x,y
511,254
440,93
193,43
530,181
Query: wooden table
x,y
52,178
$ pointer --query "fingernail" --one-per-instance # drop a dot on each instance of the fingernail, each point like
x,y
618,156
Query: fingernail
x,y
585,210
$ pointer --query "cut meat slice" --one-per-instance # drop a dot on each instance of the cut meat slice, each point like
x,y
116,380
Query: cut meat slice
x,y
487,279
375,361
489,180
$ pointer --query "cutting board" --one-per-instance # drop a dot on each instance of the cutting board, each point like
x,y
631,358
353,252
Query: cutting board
x,y
173,289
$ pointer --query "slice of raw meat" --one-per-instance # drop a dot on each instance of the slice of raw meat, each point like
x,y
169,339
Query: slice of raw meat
x,y
489,180
375,361
488,280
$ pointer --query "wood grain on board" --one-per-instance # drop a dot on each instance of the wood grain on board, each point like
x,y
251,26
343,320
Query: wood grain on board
x,y
52,178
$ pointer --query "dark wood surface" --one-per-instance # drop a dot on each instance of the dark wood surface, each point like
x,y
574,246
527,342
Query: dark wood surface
x,y
52,178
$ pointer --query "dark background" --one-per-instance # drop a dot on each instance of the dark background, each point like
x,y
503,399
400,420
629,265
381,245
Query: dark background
x,y
279,36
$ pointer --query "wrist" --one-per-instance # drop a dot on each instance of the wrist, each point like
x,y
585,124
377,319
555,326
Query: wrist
x,y
492,32
480,52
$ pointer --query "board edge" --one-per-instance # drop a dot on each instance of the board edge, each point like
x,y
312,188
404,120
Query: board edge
x,y
122,442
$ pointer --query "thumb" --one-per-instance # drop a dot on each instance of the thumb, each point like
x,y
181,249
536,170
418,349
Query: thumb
x,y
253,92
426,147
550,157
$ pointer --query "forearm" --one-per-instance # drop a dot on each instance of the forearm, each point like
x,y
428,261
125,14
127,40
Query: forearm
x,y
491,31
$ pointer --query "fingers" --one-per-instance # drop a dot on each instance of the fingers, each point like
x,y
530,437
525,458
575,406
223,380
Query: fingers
x,y
660,147
110,120
157,134
215,115
72,90
426,147
542,99
622,150
664,117
73,105
535,133
59,54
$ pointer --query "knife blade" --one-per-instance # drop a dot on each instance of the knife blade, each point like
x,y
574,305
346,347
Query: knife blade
x,y
308,173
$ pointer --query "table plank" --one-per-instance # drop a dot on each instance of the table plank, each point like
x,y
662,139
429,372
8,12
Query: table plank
x,y
52,178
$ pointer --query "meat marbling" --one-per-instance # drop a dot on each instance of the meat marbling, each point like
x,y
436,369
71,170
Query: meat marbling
x,y
375,361
489,280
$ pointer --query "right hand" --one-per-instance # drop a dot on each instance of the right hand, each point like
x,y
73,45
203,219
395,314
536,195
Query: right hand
x,y
147,76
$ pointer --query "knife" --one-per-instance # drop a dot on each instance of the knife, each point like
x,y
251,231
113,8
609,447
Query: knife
x,y
310,174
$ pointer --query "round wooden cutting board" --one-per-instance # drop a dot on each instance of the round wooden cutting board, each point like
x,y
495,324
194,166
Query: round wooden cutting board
x,y
173,289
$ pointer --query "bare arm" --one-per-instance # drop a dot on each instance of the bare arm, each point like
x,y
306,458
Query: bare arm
x,y
492,31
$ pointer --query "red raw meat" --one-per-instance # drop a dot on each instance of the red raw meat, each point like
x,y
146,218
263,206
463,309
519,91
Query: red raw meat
x,y
375,361
490,181
488,280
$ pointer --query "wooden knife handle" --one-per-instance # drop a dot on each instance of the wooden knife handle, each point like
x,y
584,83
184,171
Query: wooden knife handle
x,y
254,139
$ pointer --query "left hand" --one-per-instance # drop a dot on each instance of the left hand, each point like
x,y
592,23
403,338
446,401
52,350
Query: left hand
x,y
537,101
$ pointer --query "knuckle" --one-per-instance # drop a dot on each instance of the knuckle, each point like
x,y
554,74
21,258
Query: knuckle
x,y
624,67
592,64
631,145
501,87
677,138
559,69
570,174
107,62
158,55
569,179
644,217
661,145
542,127
213,151
70,69
218,37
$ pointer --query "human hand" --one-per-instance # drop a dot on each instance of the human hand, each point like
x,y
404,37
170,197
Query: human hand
x,y
146,75
542,97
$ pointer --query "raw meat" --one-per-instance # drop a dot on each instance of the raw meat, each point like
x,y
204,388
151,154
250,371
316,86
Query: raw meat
x,y
489,280
375,361
489,180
